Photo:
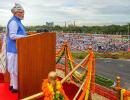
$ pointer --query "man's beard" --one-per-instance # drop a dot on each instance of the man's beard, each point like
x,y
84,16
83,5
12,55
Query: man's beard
x,y
21,18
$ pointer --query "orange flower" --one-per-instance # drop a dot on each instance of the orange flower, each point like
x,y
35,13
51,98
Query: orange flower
x,y
49,92
48,95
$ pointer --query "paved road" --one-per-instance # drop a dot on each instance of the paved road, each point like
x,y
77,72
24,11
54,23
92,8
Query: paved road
x,y
111,68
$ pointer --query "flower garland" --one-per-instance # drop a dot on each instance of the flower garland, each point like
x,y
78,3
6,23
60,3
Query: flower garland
x,y
49,93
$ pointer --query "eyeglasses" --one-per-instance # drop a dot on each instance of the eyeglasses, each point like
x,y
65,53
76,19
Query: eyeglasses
x,y
21,12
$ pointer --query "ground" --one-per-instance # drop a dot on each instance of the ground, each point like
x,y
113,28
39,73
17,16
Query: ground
x,y
111,68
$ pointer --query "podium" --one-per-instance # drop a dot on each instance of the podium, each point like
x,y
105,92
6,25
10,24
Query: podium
x,y
36,57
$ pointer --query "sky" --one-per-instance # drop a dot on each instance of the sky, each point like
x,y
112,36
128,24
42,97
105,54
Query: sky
x,y
83,12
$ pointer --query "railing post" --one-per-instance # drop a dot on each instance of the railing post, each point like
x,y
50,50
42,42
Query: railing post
x,y
118,88
66,60
90,96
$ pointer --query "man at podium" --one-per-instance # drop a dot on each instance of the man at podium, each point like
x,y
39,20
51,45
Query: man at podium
x,y
15,29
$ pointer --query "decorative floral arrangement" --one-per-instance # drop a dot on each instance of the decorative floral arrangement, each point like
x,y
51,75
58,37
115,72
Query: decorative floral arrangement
x,y
49,93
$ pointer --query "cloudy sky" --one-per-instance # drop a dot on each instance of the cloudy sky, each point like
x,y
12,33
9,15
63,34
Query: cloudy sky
x,y
83,12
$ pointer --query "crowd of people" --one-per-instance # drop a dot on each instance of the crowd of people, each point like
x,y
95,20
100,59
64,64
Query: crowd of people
x,y
100,42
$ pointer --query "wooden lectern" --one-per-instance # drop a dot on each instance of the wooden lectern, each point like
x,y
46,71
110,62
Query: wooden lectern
x,y
36,57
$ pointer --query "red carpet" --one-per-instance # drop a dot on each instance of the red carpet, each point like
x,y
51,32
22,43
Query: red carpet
x,y
5,94
70,90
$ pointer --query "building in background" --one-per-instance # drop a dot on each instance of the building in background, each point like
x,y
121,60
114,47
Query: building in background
x,y
50,24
